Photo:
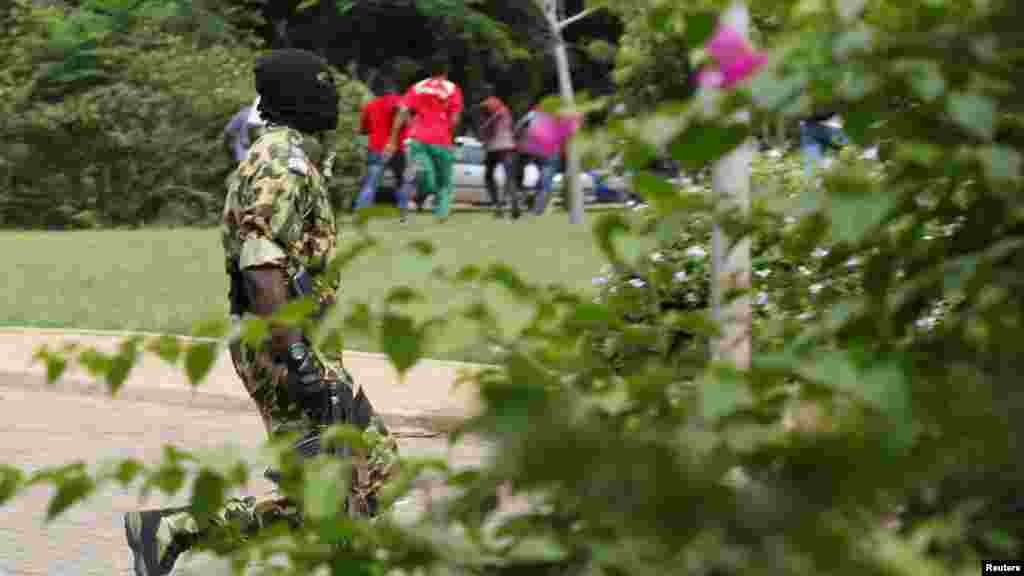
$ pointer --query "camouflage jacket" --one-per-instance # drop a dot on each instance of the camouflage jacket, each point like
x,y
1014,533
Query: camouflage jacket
x,y
278,211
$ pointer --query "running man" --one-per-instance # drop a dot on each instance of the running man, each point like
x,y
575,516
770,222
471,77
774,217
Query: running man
x,y
433,109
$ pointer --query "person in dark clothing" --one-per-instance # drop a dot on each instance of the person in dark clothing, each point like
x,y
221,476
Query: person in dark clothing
x,y
242,131
496,132
819,133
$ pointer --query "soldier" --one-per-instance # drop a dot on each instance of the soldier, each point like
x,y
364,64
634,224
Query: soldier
x,y
279,235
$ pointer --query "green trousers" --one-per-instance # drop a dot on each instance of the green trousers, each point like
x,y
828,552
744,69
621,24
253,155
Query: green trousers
x,y
430,168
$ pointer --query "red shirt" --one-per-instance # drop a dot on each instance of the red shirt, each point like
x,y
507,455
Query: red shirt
x,y
434,101
377,119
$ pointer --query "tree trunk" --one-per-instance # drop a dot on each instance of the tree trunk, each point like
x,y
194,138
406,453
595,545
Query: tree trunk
x,y
574,192
325,11
730,261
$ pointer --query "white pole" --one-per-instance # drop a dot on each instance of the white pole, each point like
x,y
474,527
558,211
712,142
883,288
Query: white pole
x,y
571,179
730,261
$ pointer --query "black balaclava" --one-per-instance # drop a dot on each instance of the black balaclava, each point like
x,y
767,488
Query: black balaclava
x,y
296,89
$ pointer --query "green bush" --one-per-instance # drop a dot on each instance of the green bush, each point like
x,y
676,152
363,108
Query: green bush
x,y
143,144
664,463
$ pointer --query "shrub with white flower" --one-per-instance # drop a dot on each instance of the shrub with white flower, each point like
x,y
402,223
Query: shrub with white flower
x,y
675,277
793,281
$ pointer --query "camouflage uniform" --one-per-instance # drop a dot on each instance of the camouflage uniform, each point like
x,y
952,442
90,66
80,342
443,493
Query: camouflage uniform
x,y
278,212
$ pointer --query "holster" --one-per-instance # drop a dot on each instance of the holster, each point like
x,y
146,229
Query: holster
x,y
300,284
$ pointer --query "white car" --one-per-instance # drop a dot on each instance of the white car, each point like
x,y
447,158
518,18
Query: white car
x,y
471,169
468,173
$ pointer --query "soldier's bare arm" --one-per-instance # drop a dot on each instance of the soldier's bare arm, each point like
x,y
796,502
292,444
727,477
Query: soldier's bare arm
x,y
272,225
267,289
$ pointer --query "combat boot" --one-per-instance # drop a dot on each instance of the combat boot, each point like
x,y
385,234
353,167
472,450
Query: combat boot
x,y
141,531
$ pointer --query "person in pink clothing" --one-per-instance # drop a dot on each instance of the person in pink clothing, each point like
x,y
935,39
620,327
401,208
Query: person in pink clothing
x,y
496,132
548,163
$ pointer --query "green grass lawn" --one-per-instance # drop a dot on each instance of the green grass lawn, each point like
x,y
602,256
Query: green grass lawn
x,y
163,280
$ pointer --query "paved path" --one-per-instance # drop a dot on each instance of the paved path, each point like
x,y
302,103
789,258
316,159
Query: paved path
x,y
427,395
43,425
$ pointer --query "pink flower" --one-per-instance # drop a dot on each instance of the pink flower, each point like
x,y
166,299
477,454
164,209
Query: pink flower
x,y
736,59
546,133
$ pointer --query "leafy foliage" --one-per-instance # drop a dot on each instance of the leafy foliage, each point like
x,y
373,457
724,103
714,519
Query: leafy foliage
x,y
140,141
875,432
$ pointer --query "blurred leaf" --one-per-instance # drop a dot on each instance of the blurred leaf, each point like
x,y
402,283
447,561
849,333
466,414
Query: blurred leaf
x,y
255,331
659,17
701,144
208,494
296,312
589,315
772,92
402,295
122,363
71,489
401,342
658,191
95,362
127,471
855,210
975,113
55,363
1002,541
11,480
169,478
884,385
213,328
923,153
509,278
481,313
325,486
339,435
167,347
631,248
699,323
199,359
699,27
858,122
1002,164
722,392
550,104
360,318
468,273
333,342
925,77
423,247
638,154
538,549
609,226
346,257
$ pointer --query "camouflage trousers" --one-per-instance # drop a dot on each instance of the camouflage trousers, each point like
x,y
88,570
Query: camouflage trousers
x,y
266,383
